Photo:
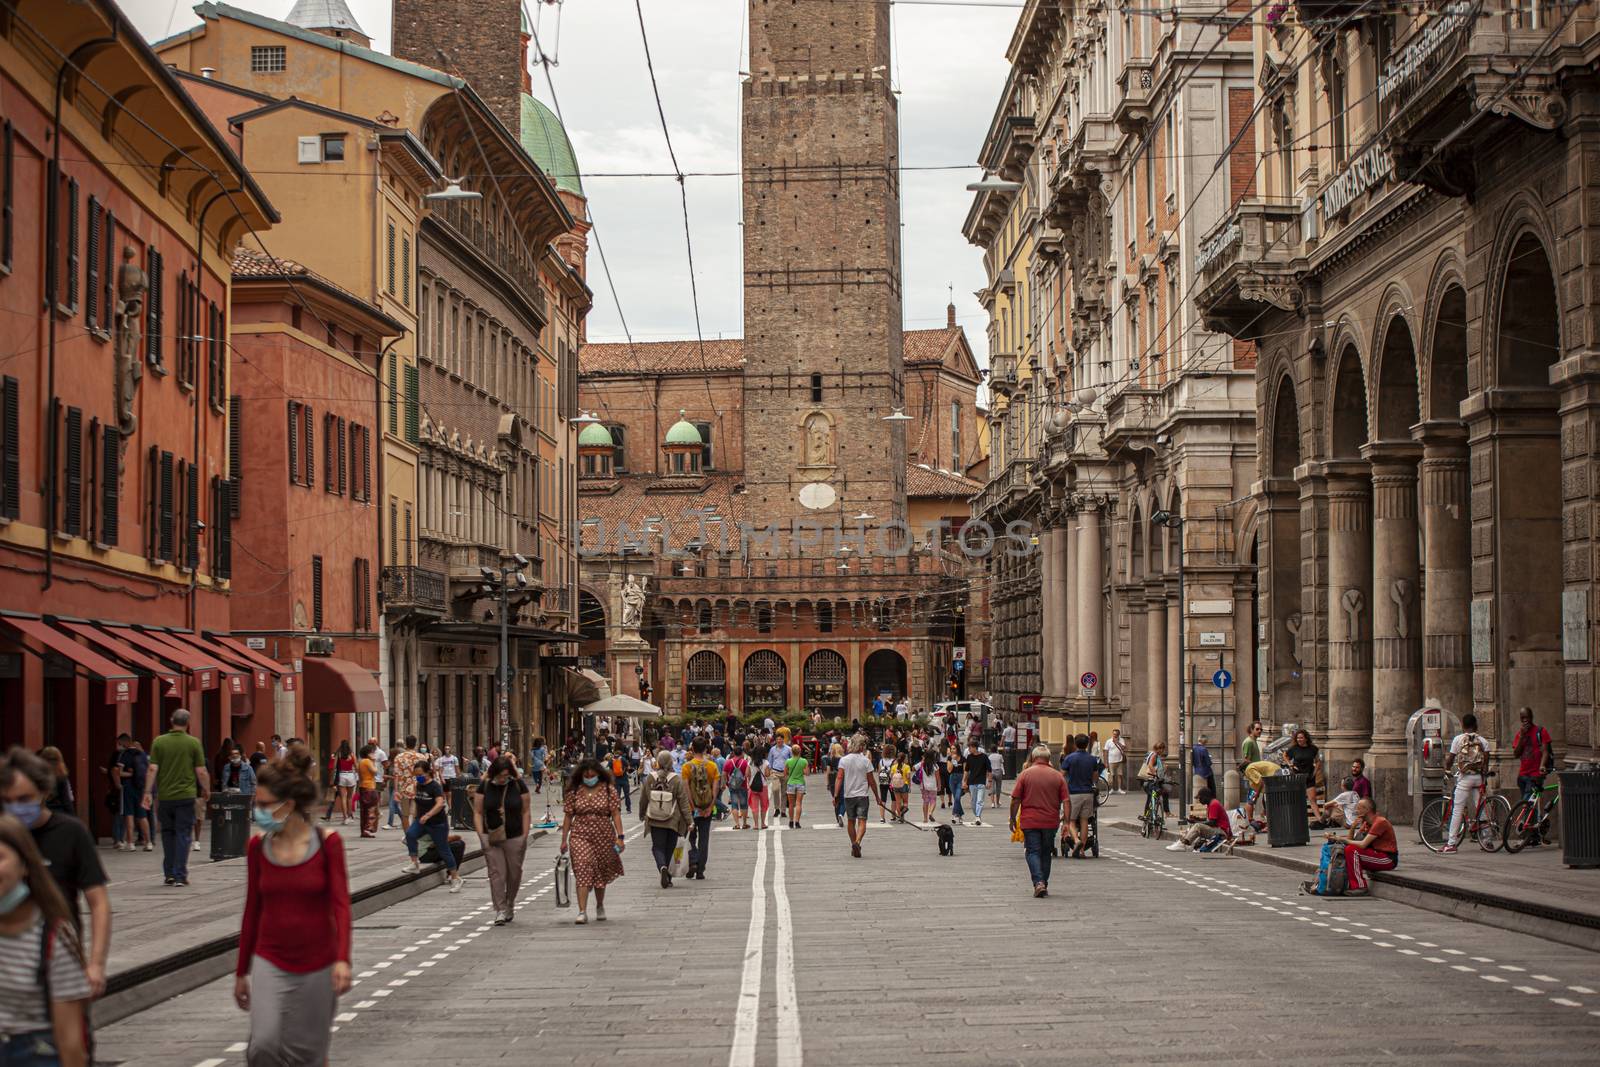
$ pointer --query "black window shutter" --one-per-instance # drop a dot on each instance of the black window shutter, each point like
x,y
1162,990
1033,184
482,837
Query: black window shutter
x,y
152,494
108,274
216,372
413,422
310,446
164,513
10,448
110,477
91,293
183,345
329,429
235,449
222,527
355,594
72,509
339,433
316,593
366,464
294,441
8,193
72,244
191,516
153,317
394,392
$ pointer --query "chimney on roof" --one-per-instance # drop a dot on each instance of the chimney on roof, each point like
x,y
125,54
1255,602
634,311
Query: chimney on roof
x,y
950,316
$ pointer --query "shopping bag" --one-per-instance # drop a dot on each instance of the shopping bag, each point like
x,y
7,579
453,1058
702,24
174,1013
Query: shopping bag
x,y
1016,836
563,881
680,861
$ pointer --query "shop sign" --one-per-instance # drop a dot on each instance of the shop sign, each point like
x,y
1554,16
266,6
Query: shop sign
x,y
256,644
1371,168
1428,50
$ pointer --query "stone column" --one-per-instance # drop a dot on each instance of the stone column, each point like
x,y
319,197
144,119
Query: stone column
x,y
1447,542
1156,662
1175,653
1059,536
1068,549
1090,603
1349,610
1050,629
1396,616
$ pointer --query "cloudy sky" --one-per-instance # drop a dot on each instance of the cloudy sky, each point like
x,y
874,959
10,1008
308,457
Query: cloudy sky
x,y
949,66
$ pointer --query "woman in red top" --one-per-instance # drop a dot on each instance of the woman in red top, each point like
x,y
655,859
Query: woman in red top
x,y
294,945
342,773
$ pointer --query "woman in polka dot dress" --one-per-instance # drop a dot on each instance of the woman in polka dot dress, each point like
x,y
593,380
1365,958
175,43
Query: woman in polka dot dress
x,y
592,832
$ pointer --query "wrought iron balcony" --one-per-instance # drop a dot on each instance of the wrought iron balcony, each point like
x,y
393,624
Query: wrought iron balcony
x,y
1250,264
412,589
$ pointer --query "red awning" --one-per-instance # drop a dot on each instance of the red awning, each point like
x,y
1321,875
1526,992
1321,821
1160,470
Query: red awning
x,y
205,670
246,653
235,676
263,677
120,680
334,686
126,653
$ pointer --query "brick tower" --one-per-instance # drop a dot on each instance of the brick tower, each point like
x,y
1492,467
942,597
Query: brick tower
x,y
481,40
821,264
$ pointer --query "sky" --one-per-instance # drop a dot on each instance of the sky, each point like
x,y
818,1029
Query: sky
x,y
949,66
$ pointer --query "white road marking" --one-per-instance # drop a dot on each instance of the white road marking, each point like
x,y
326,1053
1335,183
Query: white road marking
x,y
1580,989
789,1047
1534,990
1509,967
366,1004
1565,1003
1491,978
238,1046
345,1017
1543,978
748,1015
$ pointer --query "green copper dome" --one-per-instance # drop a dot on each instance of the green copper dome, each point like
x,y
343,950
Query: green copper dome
x,y
595,435
546,141
684,432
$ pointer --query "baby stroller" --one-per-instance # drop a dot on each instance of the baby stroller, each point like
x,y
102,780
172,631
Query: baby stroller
x,y
1092,846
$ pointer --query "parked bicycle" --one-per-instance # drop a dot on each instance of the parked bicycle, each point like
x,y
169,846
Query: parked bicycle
x,y
1485,824
1531,820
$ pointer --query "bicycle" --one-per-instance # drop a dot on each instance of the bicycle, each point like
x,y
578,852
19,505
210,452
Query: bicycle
x,y
1530,820
1152,819
1486,824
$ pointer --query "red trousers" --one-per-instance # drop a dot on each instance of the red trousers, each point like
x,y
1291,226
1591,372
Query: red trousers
x,y
1357,861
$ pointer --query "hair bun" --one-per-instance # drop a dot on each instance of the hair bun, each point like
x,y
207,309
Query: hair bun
x,y
298,758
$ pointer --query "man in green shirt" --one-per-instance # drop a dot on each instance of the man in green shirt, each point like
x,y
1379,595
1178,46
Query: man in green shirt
x,y
794,786
177,781
1250,749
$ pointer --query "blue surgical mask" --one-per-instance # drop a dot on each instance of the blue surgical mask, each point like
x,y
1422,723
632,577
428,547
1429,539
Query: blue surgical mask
x,y
266,820
422,779
12,898
591,779
24,811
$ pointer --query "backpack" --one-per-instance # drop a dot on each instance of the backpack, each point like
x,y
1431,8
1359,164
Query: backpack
x,y
701,794
735,769
1474,755
663,806
616,767
757,782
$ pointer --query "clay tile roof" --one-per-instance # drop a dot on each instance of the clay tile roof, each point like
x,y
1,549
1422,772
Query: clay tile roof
x,y
654,357
927,346
249,263
631,502
925,481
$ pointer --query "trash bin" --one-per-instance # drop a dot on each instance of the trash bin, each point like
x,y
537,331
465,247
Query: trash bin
x,y
229,816
1286,810
1580,818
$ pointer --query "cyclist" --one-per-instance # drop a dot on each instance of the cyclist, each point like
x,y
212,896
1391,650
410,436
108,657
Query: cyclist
x,y
1469,758
1152,776
1534,753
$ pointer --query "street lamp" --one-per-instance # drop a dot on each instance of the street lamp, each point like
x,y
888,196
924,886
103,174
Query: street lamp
x,y
509,575
1172,521
991,184
453,191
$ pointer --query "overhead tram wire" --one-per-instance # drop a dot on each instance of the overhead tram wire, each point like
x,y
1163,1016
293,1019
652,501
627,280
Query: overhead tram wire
x,y
683,200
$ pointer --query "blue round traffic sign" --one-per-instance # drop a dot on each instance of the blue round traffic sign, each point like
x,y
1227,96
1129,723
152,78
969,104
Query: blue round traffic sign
x,y
958,665
1222,679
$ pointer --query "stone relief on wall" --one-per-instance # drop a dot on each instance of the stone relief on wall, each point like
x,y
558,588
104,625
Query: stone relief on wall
x,y
1400,593
1353,601
817,440
132,284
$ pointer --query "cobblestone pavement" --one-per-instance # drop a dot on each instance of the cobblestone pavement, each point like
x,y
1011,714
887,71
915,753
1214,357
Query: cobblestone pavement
x,y
1142,956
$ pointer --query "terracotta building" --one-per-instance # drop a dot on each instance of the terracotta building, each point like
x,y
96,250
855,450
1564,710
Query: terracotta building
x,y
114,450
1420,283
477,432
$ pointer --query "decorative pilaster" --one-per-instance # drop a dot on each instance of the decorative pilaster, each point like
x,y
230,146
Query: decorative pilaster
x,y
1051,631
1349,609
1447,544
1396,614
1088,607
1156,664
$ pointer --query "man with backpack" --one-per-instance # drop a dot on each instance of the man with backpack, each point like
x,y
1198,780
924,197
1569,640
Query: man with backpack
x,y
700,778
1535,756
619,774
664,808
1469,758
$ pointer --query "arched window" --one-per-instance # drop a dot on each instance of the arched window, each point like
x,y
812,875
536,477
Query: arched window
x,y
765,680
704,618
706,681
825,678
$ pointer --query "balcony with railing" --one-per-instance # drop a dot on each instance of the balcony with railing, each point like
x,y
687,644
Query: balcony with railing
x,y
1135,93
1250,264
1003,372
499,250
407,589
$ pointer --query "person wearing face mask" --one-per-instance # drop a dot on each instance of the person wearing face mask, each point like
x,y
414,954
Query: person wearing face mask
x,y
433,820
294,941
237,775
68,850
44,992
592,830
502,816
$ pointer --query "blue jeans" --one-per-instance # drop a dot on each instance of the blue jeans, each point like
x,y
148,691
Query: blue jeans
x,y
1036,847
440,833
177,836
626,791
976,793
394,808
699,843
1529,784
955,797
35,1049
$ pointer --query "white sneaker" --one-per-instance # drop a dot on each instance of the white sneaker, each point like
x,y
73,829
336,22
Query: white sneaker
x,y
455,884
197,846
411,868
581,920
1176,846
148,847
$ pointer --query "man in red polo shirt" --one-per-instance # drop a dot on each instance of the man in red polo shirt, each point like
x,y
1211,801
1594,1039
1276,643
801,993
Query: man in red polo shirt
x,y
1039,807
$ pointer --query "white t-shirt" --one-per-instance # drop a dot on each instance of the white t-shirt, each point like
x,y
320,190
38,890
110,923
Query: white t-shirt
x,y
1113,750
1455,750
446,766
857,771
1009,736
997,763
768,724
379,757
1347,801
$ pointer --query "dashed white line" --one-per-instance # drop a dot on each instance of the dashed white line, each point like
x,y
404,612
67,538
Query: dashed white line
x,y
748,1014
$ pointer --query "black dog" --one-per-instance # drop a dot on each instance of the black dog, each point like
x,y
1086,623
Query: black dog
x,y
947,840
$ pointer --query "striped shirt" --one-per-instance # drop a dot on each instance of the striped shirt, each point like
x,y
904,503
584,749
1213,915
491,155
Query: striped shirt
x,y
22,1006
